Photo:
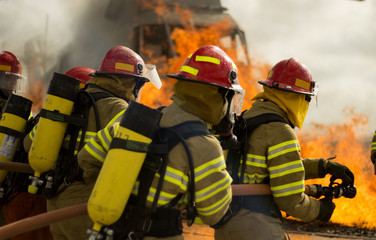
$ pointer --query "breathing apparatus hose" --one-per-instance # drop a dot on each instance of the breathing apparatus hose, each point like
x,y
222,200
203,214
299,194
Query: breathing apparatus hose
x,y
122,165
12,124
50,131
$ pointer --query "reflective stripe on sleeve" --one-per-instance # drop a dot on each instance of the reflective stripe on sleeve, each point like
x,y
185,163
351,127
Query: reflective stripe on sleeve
x,y
288,189
218,205
176,177
117,118
163,199
282,148
213,189
32,133
95,150
105,138
287,168
256,160
209,167
254,178
88,136
373,146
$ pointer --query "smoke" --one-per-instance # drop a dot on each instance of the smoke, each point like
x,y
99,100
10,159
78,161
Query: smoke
x,y
49,36
334,39
34,31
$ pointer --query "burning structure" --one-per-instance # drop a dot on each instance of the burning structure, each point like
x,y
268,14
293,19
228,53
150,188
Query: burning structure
x,y
165,32
154,22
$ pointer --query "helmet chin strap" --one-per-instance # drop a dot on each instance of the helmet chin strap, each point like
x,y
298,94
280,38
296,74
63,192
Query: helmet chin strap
x,y
139,84
3,95
227,122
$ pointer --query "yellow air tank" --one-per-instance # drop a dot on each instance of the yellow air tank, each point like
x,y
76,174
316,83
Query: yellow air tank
x,y
123,162
12,124
50,131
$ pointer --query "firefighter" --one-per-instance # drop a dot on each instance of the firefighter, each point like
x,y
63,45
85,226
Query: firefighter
x,y
24,205
82,74
120,76
273,157
373,151
11,79
206,89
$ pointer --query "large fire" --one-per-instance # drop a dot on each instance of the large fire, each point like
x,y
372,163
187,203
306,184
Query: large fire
x,y
187,41
345,140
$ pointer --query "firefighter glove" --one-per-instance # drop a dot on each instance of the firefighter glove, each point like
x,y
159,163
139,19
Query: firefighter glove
x,y
229,142
326,210
224,127
339,171
373,159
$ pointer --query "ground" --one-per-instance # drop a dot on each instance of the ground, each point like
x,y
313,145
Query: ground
x,y
297,230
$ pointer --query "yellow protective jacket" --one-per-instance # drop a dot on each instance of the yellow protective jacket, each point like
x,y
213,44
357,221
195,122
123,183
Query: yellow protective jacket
x,y
3,102
373,148
79,192
274,153
212,181
108,108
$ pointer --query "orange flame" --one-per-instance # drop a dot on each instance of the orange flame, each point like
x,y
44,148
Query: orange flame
x,y
35,94
346,140
188,41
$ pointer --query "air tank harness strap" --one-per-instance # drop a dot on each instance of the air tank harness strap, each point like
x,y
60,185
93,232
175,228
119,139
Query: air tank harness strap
x,y
138,220
60,117
245,131
130,145
256,203
12,132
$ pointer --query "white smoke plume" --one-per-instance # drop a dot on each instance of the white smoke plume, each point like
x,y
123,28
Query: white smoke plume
x,y
56,35
334,39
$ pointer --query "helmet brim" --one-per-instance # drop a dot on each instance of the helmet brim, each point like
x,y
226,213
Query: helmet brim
x,y
235,87
96,73
263,82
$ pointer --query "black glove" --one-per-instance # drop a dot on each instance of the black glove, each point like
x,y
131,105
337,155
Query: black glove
x,y
326,210
339,171
229,142
224,127
373,159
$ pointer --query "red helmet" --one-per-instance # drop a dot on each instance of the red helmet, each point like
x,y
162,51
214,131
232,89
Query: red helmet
x,y
11,79
9,63
210,65
122,60
291,75
81,73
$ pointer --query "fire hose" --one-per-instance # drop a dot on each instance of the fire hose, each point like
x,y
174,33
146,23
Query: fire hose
x,y
334,190
16,167
45,219
41,220
29,224
255,189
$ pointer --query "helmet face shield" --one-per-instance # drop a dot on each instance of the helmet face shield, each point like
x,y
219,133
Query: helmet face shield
x,y
315,90
151,74
12,83
237,102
